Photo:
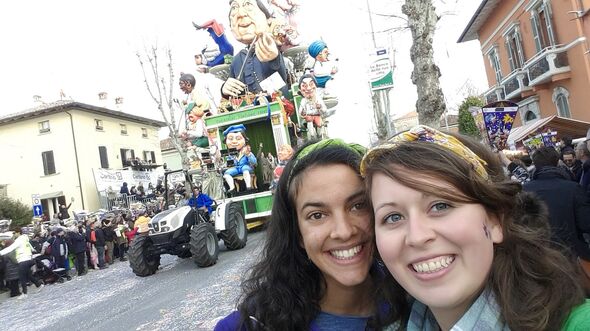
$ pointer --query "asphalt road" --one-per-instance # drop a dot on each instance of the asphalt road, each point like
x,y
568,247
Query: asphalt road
x,y
180,296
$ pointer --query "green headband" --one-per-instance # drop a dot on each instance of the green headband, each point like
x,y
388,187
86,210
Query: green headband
x,y
360,149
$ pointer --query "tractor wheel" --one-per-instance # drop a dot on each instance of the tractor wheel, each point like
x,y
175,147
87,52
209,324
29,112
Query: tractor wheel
x,y
142,263
204,244
236,235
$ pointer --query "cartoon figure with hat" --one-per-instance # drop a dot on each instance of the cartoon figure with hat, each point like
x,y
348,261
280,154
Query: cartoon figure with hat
x,y
323,69
235,137
251,67
312,108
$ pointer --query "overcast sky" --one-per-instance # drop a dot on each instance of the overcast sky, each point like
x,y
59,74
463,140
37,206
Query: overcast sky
x,y
85,47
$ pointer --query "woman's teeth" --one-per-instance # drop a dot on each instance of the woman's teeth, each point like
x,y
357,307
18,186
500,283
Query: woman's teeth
x,y
433,265
346,254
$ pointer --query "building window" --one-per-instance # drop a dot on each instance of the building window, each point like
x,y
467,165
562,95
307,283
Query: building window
x,y
98,125
561,101
514,48
124,129
48,163
542,26
127,156
149,156
144,133
104,158
529,110
495,63
530,116
44,127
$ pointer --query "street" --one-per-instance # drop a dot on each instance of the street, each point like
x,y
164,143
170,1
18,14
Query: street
x,y
180,296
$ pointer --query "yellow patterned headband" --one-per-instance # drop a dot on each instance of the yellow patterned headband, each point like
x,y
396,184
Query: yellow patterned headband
x,y
424,133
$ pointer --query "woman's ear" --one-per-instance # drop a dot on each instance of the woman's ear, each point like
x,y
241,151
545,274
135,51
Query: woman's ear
x,y
496,230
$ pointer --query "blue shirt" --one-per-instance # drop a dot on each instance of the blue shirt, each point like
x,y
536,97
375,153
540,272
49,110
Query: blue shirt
x,y
323,322
328,322
202,200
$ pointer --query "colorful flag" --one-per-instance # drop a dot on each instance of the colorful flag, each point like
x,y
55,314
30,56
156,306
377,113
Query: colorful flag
x,y
499,118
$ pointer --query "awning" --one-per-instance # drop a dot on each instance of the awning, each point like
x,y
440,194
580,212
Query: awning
x,y
51,195
563,127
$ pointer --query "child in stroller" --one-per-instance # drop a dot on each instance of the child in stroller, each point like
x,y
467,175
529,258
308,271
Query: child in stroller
x,y
48,272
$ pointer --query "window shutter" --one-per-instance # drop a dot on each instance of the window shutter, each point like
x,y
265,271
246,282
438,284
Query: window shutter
x,y
510,58
536,32
153,157
104,158
548,16
519,49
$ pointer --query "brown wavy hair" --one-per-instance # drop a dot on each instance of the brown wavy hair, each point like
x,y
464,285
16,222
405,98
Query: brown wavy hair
x,y
535,284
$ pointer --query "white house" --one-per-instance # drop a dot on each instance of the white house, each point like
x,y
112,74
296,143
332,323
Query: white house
x,y
52,149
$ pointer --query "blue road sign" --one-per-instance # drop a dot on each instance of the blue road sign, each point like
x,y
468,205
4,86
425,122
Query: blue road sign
x,y
37,210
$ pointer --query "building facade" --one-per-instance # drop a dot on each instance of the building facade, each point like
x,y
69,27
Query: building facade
x,y
536,53
51,150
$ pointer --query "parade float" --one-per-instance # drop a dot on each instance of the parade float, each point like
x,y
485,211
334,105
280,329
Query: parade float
x,y
238,142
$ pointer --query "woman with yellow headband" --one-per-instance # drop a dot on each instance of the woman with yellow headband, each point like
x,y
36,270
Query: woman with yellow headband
x,y
464,241
316,271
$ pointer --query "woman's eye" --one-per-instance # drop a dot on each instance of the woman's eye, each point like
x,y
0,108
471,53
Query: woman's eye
x,y
315,216
360,206
440,206
392,218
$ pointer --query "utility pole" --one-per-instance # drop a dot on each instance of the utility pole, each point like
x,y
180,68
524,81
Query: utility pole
x,y
371,22
381,104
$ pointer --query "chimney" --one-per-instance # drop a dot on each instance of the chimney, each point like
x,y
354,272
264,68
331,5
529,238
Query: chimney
x,y
102,96
119,102
37,99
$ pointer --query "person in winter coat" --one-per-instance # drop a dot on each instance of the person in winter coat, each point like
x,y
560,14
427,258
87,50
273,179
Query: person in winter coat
x,y
78,247
63,210
100,246
24,257
109,237
124,189
59,249
121,240
10,270
583,154
569,206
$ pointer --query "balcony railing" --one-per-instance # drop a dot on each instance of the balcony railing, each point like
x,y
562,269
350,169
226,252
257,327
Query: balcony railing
x,y
494,94
549,62
516,83
538,70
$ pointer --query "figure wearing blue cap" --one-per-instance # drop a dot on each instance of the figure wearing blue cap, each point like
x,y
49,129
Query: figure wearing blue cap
x,y
235,137
323,69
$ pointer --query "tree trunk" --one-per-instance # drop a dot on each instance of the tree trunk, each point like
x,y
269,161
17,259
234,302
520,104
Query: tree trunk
x,y
161,92
380,117
422,21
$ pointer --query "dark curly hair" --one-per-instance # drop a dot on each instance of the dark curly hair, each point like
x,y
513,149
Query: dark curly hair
x,y
536,286
284,289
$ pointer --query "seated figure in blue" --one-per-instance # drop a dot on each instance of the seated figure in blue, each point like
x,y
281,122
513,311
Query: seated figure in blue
x,y
215,57
235,137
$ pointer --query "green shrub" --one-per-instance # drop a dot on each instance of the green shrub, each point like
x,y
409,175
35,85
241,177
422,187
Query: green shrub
x,y
466,122
20,214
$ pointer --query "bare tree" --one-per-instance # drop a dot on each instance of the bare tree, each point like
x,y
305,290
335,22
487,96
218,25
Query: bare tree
x,y
160,89
422,19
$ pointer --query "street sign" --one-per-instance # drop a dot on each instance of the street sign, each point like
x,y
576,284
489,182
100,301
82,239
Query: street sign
x,y
37,207
37,210
380,71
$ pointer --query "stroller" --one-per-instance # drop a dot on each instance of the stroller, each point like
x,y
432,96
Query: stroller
x,y
47,271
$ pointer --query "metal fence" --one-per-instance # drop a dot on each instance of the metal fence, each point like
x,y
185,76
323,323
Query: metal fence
x,y
118,200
